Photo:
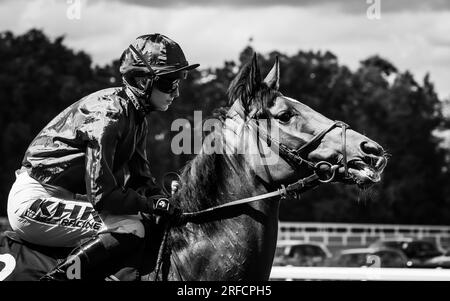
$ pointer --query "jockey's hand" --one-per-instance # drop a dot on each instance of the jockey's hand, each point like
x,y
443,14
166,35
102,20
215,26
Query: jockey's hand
x,y
162,208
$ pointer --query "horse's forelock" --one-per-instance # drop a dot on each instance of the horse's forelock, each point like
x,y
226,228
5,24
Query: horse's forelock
x,y
259,99
266,99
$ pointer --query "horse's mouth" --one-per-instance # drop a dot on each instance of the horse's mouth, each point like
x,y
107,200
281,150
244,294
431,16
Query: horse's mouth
x,y
363,174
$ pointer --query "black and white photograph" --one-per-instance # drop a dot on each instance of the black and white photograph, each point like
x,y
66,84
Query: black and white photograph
x,y
245,142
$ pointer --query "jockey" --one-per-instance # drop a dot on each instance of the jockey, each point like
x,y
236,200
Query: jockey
x,y
85,178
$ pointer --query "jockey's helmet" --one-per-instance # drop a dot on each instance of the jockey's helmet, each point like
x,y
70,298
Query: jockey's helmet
x,y
153,58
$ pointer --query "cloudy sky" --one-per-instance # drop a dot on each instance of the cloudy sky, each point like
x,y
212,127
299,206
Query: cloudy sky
x,y
413,34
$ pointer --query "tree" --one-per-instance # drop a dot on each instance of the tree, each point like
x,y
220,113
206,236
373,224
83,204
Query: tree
x,y
40,77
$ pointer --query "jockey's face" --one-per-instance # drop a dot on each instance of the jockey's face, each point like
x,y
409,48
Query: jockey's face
x,y
165,89
160,100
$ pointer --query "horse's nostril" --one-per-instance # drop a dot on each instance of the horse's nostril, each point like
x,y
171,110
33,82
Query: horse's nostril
x,y
371,148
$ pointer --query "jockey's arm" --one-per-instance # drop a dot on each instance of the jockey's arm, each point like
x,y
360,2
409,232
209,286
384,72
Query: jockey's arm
x,y
101,186
141,176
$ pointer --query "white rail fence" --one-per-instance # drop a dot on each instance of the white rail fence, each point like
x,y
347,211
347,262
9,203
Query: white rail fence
x,y
348,235
363,274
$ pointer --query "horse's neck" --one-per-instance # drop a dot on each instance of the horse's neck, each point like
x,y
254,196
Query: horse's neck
x,y
237,245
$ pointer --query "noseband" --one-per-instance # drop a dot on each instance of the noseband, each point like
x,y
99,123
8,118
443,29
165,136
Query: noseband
x,y
295,159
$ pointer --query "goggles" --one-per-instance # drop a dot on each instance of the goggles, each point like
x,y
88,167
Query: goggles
x,y
166,85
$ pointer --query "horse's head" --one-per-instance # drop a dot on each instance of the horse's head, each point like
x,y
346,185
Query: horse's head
x,y
288,140
268,139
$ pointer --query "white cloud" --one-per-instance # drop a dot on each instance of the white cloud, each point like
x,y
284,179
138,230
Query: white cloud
x,y
351,6
209,35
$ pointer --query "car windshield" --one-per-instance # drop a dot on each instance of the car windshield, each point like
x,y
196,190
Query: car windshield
x,y
306,250
391,259
420,249
394,244
299,255
353,260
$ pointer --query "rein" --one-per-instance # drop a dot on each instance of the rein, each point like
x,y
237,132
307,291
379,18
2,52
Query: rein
x,y
284,191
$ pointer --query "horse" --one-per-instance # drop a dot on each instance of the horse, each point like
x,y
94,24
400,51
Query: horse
x,y
265,147
238,242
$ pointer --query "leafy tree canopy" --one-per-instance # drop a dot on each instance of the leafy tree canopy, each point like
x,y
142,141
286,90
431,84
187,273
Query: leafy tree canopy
x,y
40,77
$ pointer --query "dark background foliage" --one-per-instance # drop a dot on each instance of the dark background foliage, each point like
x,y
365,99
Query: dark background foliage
x,y
39,77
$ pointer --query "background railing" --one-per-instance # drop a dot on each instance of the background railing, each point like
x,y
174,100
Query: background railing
x,y
336,235
339,235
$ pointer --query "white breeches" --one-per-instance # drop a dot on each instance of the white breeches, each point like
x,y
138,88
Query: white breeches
x,y
63,220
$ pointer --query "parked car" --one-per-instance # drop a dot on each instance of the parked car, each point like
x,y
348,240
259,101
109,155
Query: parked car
x,y
300,253
417,251
442,261
370,257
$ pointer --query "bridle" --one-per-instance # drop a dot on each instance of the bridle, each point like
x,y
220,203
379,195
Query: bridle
x,y
295,159
294,156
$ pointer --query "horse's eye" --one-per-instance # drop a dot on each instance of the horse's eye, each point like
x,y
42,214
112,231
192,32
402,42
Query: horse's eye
x,y
285,117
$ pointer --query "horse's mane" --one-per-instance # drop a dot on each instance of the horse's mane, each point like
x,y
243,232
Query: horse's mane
x,y
205,177
212,178
199,181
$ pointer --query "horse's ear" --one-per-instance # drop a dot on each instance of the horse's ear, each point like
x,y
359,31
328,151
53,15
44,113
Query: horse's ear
x,y
246,83
254,77
273,78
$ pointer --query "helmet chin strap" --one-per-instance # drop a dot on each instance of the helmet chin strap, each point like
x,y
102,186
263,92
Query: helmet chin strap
x,y
141,98
144,95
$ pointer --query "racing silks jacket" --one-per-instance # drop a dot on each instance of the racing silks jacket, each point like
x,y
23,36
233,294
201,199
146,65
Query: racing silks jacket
x,y
96,147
